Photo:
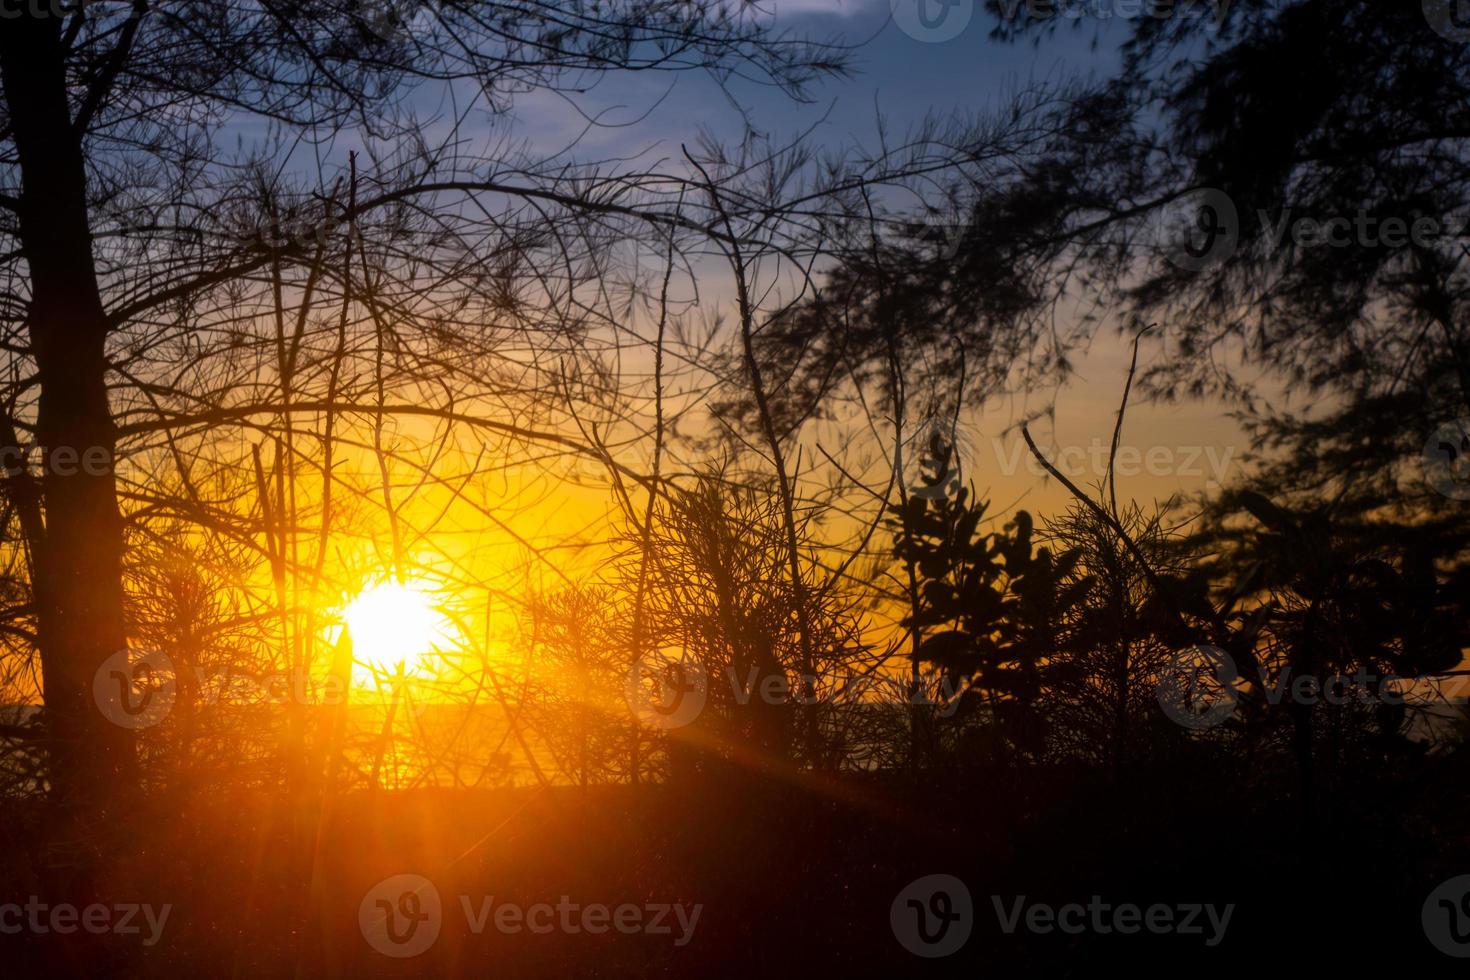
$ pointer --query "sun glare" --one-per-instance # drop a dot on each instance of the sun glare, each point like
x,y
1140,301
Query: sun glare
x,y
396,623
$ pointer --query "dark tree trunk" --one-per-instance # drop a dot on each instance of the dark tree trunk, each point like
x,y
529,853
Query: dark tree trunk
x,y
78,586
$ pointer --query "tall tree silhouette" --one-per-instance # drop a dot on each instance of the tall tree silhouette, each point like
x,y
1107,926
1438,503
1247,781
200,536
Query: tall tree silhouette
x,y
113,112
1283,190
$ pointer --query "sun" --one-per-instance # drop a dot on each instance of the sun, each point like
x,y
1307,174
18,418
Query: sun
x,y
396,623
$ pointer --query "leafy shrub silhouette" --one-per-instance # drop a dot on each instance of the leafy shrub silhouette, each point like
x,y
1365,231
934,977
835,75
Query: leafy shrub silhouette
x,y
1000,604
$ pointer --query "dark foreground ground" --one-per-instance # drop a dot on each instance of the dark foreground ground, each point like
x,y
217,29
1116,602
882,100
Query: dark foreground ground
x,y
789,880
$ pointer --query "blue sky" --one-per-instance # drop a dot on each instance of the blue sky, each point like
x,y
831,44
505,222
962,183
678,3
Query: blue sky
x,y
893,73
904,78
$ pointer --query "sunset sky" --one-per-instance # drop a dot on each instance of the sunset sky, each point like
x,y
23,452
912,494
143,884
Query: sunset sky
x,y
901,79
476,488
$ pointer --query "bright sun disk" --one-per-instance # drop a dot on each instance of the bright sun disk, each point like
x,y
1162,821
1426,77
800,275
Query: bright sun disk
x,y
395,622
